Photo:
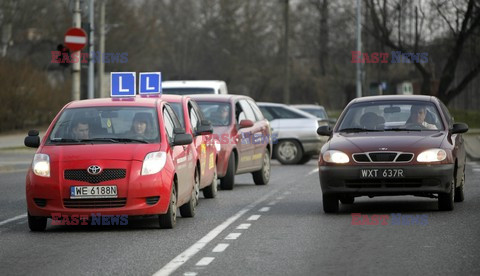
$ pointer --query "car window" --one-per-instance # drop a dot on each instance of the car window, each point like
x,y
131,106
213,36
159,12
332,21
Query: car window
x,y
447,115
284,113
392,115
188,90
247,112
256,110
266,112
177,108
173,115
317,112
104,123
194,118
218,113
169,125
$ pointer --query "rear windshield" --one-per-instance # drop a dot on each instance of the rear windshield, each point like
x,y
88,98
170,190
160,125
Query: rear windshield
x,y
187,91
106,125
392,115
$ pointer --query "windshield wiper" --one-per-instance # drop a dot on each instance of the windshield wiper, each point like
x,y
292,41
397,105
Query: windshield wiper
x,y
114,140
129,140
401,129
358,129
64,140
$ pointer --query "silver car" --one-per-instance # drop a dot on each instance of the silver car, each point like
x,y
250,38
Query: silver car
x,y
295,132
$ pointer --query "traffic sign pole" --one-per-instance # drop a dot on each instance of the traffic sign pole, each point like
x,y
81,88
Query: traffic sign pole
x,y
77,22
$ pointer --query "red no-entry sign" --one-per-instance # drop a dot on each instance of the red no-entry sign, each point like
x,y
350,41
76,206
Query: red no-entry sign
x,y
75,39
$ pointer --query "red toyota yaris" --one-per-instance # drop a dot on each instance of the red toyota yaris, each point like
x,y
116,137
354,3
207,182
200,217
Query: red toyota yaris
x,y
125,157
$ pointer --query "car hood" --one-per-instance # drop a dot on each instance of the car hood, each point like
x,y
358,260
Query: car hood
x,y
125,152
391,141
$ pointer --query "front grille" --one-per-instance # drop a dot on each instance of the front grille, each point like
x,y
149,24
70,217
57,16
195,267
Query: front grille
x,y
105,175
382,157
41,202
95,203
386,183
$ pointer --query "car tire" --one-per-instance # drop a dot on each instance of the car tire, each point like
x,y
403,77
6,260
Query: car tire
x,y
305,159
211,190
262,176
446,200
459,195
330,203
226,183
288,152
347,199
169,220
188,209
37,224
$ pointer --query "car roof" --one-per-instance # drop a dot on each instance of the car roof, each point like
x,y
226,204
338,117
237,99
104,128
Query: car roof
x,y
138,100
191,83
395,98
218,97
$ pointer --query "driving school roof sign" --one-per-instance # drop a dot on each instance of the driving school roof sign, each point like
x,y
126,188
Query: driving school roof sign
x,y
123,84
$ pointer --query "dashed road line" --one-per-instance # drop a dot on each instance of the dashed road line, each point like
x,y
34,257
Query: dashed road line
x,y
271,203
205,261
264,209
280,197
313,171
254,217
186,255
190,274
233,236
220,247
244,226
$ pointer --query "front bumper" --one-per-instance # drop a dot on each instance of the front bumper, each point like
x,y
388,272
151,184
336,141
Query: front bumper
x,y
419,180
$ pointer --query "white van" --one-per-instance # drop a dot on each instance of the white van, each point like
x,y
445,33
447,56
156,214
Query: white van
x,y
185,87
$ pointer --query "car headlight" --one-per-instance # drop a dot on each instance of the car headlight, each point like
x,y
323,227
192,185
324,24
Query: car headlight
x,y
218,147
154,162
432,155
41,165
335,156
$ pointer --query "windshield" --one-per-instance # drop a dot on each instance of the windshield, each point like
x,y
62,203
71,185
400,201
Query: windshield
x,y
189,90
106,125
391,116
219,113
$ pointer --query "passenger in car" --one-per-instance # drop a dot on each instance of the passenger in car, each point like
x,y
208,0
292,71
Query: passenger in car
x,y
417,117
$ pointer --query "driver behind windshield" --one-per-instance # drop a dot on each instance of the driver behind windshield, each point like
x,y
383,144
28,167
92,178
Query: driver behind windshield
x,y
80,130
417,117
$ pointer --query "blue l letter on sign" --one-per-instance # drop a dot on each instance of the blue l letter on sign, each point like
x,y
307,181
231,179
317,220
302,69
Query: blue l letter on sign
x,y
150,83
122,84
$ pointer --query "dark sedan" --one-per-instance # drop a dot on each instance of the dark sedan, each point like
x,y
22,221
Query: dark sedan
x,y
393,145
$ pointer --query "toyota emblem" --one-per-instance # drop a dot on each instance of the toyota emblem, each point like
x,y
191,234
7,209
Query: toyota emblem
x,y
94,170
383,148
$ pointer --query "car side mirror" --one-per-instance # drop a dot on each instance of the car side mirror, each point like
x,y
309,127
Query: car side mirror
x,y
245,123
32,140
179,130
205,128
324,131
182,139
459,128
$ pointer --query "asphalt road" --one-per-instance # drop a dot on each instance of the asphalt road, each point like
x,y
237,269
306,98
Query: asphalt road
x,y
278,229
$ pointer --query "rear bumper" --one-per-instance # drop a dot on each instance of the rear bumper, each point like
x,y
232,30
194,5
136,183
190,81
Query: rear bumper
x,y
419,180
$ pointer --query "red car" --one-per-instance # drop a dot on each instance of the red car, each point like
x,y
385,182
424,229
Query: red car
x,y
126,157
393,145
191,118
244,135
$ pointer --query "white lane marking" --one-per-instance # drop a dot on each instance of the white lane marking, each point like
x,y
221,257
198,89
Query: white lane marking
x,y
272,203
476,170
205,261
313,171
190,274
233,236
287,193
280,197
254,217
13,219
264,209
244,226
179,260
220,247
